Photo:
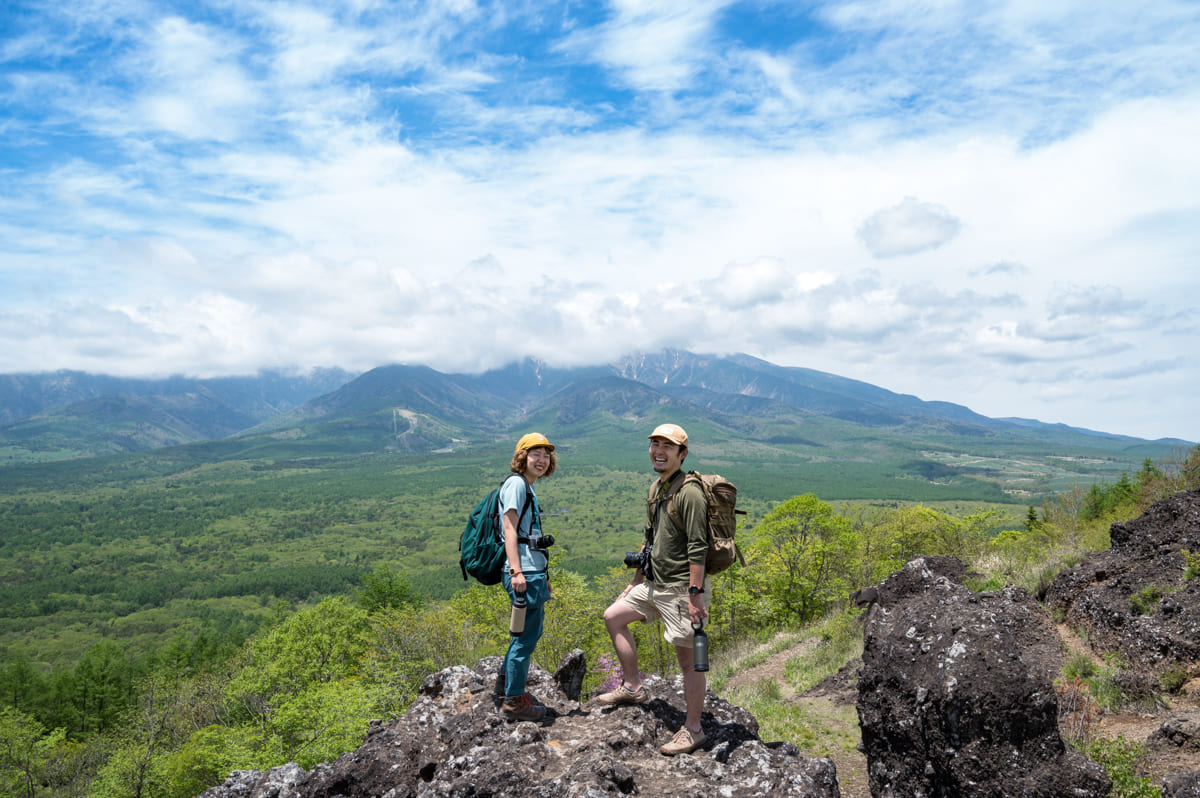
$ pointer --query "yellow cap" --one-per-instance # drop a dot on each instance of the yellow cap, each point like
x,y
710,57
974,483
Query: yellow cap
x,y
532,441
672,432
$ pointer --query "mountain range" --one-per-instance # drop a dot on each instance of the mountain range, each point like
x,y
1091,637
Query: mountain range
x,y
737,408
62,414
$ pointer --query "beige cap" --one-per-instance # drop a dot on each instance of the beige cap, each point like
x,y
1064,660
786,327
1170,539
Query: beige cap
x,y
672,432
532,441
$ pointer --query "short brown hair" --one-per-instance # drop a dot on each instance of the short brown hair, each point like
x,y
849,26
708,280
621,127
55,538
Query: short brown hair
x,y
520,461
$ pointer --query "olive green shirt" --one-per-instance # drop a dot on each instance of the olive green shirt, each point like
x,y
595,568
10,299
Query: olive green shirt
x,y
675,548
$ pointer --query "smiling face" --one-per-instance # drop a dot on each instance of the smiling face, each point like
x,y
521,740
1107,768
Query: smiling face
x,y
665,457
537,462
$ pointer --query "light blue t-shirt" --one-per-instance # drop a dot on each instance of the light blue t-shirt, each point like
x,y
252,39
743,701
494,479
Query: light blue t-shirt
x,y
529,525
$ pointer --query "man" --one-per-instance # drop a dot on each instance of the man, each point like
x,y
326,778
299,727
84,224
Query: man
x,y
675,589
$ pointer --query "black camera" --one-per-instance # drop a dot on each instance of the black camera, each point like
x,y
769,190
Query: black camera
x,y
542,542
639,559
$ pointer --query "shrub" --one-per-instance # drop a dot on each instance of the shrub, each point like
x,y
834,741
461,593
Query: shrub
x,y
1191,564
1173,680
1121,760
977,585
1079,666
1078,713
1105,687
1145,601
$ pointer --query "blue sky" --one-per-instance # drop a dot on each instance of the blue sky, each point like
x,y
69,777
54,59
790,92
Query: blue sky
x,y
988,203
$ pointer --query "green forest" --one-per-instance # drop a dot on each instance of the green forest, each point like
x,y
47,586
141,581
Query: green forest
x,y
170,617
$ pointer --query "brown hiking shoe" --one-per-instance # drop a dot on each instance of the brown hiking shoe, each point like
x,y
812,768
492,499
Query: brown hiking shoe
x,y
684,742
522,707
623,695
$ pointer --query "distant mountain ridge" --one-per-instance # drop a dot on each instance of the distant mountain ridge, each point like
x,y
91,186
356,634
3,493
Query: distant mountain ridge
x,y
84,414
418,409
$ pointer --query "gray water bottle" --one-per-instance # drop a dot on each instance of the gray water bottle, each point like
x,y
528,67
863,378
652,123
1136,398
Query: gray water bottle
x,y
699,648
516,623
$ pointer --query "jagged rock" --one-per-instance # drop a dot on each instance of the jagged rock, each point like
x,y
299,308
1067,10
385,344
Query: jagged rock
x,y
956,693
1098,597
570,672
453,742
1181,785
1181,730
275,783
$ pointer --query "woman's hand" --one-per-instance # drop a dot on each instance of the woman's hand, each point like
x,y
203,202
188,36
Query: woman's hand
x,y
518,583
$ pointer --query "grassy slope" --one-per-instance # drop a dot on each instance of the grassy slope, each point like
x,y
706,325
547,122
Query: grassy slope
x,y
149,545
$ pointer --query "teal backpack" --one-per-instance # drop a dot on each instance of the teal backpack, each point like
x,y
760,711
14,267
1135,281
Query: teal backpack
x,y
481,547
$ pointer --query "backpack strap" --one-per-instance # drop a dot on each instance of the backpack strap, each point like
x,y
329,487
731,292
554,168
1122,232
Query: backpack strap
x,y
672,510
655,498
524,509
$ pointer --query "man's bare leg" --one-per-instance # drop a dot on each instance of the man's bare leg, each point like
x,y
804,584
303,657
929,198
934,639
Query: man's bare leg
x,y
617,619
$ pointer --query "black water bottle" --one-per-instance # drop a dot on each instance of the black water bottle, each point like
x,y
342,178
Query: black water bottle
x,y
699,648
516,623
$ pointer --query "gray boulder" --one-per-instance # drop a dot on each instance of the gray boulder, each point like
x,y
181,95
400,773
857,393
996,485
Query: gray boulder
x,y
956,693
1181,785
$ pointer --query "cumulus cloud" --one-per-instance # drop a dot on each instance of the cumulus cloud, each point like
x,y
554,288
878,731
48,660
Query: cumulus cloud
x,y
908,228
743,285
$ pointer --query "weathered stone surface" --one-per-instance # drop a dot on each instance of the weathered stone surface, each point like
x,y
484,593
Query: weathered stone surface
x,y
1180,730
569,674
1098,596
1181,785
956,693
452,742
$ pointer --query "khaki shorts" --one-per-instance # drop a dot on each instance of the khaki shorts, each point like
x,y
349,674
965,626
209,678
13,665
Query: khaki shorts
x,y
668,603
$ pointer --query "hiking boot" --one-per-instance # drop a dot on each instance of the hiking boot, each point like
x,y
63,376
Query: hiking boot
x,y
522,707
684,742
623,695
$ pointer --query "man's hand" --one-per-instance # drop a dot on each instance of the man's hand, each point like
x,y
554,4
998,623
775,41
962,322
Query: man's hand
x,y
696,611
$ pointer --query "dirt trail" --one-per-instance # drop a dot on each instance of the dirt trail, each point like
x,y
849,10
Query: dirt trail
x,y
823,703
771,670
1138,726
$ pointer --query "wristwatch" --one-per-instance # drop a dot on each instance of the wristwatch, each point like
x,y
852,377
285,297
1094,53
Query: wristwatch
x,y
695,591
513,572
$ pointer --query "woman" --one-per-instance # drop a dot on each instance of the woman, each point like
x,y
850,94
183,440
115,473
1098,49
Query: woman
x,y
525,569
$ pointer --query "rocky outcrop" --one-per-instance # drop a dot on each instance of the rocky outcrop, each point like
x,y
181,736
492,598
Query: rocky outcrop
x,y
1181,730
1134,600
452,742
956,693
1181,785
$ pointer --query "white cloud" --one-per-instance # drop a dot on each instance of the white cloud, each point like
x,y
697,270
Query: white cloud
x,y
908,228
197,88
1094,301
655,45
744,285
